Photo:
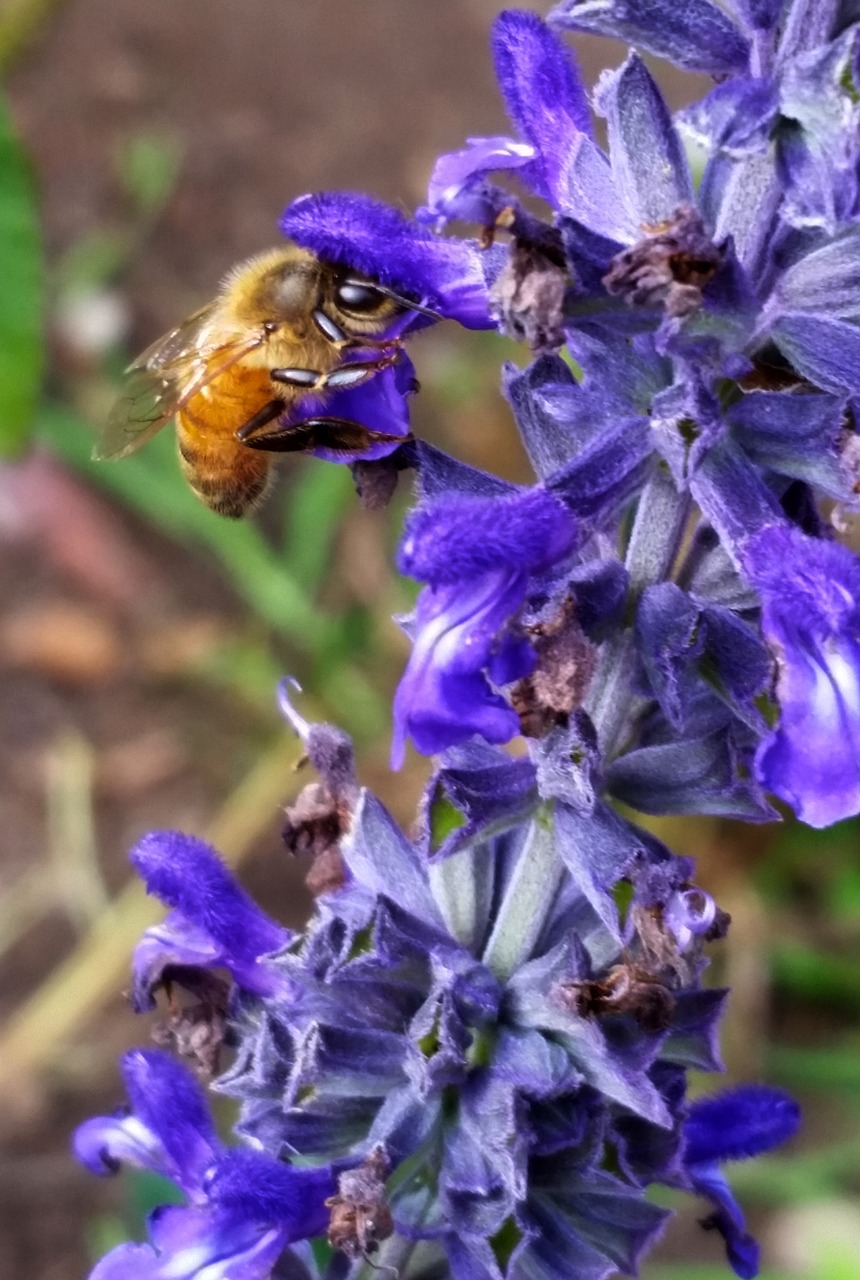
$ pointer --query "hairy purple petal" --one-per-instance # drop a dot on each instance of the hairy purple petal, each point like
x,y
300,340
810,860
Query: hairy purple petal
x,y
188,875
458,188
540,83
734,1125
810,591
463,538
739,1123
168,1128
190,1243
445,696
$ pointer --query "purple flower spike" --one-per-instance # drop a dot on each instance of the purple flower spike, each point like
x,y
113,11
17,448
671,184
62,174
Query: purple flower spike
x,y
214,922
476,554
734,1125
354,229
810,592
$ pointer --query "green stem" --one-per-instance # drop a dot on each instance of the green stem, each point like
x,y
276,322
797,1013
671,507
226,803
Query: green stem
x,y
654,542
456,884
533,889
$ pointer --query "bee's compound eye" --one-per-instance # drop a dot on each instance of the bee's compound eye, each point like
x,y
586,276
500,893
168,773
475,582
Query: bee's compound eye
x,y
352,295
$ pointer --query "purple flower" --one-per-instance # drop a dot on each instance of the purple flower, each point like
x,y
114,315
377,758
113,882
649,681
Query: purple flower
x,y
698,37
734,1125
810,594
448,276
688,914
213,924
476,554
547,104
244,1207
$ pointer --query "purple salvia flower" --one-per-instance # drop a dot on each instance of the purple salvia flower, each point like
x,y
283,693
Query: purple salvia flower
x,y
213,923
734,1125
810,591
476,556
546,101
447,276
245,1207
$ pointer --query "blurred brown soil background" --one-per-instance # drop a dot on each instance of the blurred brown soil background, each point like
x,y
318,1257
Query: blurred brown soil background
x,y
102,616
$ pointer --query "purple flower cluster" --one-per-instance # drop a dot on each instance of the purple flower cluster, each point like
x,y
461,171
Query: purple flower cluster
x,y
474,1061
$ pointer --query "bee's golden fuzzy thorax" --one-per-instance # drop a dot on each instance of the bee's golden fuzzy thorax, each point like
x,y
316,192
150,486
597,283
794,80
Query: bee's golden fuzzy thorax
x,y
282,285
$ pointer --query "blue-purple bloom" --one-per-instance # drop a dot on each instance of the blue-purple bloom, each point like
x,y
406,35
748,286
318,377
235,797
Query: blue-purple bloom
x,y
448,276
213,923
810,592
244,1207
734,1125
476,555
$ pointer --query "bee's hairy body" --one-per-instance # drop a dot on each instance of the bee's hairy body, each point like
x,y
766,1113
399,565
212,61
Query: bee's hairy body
x,y
213,373
224,474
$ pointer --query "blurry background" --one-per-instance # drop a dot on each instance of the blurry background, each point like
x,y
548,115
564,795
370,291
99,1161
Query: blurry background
x,y
143,149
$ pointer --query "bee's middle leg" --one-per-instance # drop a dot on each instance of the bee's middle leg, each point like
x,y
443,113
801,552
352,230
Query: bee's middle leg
x,y
351,374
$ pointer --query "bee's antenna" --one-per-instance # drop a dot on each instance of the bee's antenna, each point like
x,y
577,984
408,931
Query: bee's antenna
x,y
398,297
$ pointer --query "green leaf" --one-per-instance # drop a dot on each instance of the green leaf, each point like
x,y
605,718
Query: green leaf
x,y
151,483
445,819
21,282
315,505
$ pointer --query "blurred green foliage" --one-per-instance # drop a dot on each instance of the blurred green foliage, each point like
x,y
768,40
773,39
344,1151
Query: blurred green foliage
x,y
21,319
147,166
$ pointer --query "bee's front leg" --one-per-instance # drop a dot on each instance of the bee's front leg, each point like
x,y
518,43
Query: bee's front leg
x,y
343,341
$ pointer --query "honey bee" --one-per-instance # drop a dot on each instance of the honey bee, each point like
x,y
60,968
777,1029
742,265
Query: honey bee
x,y
275,335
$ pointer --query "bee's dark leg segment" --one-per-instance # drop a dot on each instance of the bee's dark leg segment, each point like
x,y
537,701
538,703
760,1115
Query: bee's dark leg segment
x,y
355,373
372,344
261,418
305,379
328,328
352,374
340,435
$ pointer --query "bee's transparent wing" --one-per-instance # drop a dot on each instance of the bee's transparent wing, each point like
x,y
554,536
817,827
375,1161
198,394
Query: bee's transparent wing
x,y
164,378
